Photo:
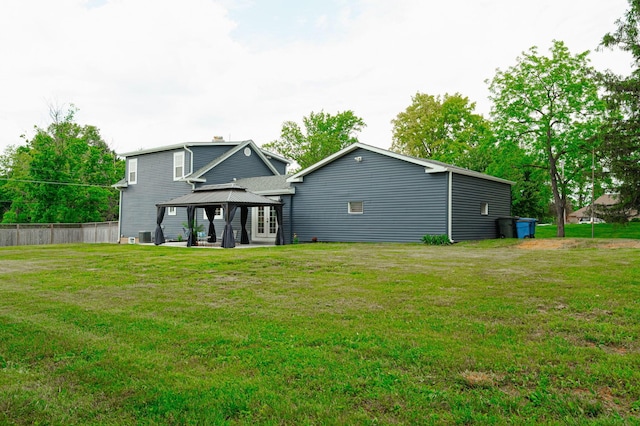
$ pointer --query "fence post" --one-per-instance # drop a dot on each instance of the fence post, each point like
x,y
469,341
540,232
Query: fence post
x,y
51,233
17,234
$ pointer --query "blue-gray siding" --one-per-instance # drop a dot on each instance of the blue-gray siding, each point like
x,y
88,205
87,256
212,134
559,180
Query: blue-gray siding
x,y
203,155
401,202
468,195
279,165
155,184
237,166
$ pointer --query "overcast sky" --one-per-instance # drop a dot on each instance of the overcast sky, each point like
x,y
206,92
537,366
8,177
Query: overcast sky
x,y
150,73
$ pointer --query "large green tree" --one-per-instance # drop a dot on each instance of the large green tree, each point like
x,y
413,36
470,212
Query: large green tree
x,y
621,147
444,129
550,107
323,135
62,175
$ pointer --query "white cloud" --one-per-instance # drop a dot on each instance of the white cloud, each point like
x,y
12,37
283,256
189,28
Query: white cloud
x,y
150,73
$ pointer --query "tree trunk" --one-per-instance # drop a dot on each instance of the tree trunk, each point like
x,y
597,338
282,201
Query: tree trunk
x,y
557,198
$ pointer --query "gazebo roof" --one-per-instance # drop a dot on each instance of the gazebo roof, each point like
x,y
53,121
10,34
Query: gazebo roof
x,y
229,193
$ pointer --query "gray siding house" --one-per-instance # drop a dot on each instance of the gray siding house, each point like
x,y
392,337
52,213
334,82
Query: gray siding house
x,y
359,194
157,175
364,193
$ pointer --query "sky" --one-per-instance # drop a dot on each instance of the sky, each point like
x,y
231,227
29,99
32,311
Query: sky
x,y
150,73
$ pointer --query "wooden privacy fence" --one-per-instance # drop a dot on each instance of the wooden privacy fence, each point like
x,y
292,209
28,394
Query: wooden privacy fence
x,y
58,233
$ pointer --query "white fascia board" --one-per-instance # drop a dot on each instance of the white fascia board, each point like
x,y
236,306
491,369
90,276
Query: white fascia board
x,y
270,154
193,180
174,147
482,176
276,191
429,167
240,146
435,169
298,176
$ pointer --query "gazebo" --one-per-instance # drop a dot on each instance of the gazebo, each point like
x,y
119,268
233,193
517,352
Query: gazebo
x,y
226,196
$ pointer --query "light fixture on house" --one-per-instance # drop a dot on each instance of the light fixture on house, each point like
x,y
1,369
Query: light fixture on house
x,y
358,159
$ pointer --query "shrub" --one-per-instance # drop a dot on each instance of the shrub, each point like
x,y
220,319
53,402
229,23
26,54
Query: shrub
x,y
436,240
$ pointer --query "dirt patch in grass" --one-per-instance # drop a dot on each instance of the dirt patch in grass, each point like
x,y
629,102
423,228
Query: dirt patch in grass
x,y
12,266
571,243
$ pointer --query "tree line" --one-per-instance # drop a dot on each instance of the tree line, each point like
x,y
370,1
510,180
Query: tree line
x,y
555,123
61,175
561,130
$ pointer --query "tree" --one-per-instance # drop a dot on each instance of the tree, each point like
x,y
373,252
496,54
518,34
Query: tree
x,y
528,197
550,107
62,175
621,133
324,135
444,129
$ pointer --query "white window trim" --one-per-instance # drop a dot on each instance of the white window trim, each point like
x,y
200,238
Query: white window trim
x,y
172,211
350,210
178,161
484,209
132,167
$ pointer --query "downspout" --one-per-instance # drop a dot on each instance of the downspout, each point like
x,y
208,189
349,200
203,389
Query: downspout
x,y
450,206
120,216
291,217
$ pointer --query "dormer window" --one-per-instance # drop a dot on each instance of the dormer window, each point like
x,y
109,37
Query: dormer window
x,y
178,165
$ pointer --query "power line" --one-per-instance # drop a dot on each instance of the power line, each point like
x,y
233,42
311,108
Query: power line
x,y
56,183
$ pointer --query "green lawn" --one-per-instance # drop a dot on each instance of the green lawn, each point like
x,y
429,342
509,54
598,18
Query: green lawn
x,y
486,333
600,230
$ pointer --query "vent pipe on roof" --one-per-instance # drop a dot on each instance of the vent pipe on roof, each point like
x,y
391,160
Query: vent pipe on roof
x,y
218,139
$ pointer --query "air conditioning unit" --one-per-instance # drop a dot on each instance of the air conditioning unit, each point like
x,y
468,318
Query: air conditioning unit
x,y
132,240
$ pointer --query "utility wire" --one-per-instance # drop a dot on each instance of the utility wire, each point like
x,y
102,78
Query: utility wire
x,y
55,183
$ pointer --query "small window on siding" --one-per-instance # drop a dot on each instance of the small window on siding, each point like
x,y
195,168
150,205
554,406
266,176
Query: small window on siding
x,y
132,176
178,165
171,211
484,209
356,207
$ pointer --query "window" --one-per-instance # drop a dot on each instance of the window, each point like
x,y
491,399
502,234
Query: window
x,y
356,207
172,211
218,214
178,165
484,209
272,220
133,171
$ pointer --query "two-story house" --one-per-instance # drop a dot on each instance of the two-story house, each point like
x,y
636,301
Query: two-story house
x,y
361,193
160,174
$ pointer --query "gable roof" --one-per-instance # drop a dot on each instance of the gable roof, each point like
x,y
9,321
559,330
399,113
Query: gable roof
x,y
172,147
267,185
431,166
229,193
603,200
197,175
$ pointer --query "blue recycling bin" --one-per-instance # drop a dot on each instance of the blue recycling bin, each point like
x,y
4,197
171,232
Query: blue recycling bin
x,y
526,227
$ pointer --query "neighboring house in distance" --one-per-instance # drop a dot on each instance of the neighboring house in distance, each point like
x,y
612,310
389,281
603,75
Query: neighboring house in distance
x,y
359,194
160,174
605,200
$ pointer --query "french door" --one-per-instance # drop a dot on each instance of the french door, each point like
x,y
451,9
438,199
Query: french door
x,y
265,223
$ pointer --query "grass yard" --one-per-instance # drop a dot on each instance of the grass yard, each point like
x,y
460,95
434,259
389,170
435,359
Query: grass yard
x,y
600,230
487,332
